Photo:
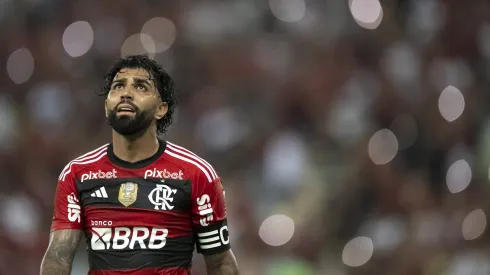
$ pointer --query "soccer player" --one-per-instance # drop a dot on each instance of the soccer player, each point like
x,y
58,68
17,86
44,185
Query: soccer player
x,y
142,203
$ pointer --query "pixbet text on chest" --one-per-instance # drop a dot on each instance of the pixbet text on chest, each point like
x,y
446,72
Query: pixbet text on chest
x,y
99,175
164,174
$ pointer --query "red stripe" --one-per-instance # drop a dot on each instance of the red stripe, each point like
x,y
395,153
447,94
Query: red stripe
x,y
144,271
191,161
178,223
86,156
175,149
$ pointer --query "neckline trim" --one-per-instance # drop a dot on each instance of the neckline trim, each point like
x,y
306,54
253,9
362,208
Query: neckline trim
x,y
139,164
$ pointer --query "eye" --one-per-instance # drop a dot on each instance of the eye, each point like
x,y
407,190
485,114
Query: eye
x,y
117,86
141,87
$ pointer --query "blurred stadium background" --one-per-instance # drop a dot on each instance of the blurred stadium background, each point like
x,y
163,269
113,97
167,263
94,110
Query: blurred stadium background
x,y
352,136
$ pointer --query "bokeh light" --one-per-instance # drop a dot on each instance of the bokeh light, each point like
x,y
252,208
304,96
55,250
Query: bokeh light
x,y
358,251
288,10
139,43
20,66
382,147
78,38
276,230
474,224
451,103
458,176
163,33
367,13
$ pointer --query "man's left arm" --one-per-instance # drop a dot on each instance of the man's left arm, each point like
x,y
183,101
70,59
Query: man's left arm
x,y
223,263
210,226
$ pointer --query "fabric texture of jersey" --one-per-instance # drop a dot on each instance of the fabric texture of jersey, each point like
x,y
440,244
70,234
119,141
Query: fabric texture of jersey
x,y
146,217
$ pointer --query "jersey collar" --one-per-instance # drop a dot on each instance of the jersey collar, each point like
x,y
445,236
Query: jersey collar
x,y
139,164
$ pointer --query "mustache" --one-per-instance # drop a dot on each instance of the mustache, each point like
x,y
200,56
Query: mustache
x,y
129,102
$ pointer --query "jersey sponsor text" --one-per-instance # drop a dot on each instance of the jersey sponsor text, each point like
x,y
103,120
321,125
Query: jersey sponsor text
x,y
164,174
73,208
117,238
205,209
99,175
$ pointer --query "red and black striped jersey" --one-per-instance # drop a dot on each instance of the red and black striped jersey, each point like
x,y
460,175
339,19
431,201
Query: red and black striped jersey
x,y
146,217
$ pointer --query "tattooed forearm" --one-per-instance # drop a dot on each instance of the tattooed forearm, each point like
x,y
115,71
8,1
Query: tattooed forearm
x,y
221,264
61,250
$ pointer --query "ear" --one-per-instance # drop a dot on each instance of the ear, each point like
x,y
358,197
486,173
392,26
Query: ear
x,y
162,110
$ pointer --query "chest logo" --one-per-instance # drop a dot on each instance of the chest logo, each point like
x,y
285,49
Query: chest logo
x,y
161,197
128,193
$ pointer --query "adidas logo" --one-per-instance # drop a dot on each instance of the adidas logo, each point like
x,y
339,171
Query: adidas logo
x,y
101,193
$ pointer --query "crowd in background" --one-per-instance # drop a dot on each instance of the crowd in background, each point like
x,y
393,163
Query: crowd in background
x,y
372,136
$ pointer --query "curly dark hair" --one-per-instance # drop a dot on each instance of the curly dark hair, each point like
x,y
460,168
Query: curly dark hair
x,y
163,82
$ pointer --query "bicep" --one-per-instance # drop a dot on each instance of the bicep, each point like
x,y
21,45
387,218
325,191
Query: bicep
x,y
221,263
62,246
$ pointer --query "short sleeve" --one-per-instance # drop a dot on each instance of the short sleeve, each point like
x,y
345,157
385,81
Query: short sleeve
x,y
209,216
67,209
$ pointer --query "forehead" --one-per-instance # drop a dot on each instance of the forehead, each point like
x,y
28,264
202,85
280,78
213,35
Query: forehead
x,y
132,73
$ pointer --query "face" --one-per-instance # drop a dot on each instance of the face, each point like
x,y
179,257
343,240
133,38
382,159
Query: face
x,y
133,103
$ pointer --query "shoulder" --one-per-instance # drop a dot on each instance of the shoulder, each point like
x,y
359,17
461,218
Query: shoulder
x,y
189,161
83,160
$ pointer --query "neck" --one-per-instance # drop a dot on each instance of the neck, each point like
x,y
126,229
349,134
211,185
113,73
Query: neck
x,y
137,147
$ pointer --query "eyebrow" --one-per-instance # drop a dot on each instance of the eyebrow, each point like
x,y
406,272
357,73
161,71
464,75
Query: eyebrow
x,y
136,80
141,80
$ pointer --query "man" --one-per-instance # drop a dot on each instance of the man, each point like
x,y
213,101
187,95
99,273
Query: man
x,y
142,203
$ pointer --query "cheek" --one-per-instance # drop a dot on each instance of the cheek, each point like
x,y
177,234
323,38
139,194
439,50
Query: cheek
x,y
110,103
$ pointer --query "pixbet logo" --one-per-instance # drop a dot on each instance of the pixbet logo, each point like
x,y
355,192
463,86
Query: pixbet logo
x,y
205,209
164,174
73,208
124,237
99,175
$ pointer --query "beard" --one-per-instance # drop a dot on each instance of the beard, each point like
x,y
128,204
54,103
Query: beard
x,y
130,125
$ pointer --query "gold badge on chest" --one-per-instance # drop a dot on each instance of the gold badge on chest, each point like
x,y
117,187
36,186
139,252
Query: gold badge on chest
x,y
128,192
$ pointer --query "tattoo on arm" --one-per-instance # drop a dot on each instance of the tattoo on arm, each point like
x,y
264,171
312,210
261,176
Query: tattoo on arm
x,y
221,264
61,250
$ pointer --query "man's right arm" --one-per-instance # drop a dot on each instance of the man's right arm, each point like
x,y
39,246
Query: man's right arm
x,y
61,250
66,227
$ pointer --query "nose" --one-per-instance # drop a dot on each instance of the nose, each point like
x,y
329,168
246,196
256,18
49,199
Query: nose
x,y
127,94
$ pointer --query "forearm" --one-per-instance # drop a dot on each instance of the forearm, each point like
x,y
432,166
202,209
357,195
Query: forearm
x,y
228,269
222,264
59,256
54,267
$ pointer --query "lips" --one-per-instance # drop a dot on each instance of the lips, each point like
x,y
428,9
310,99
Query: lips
x,y
126,108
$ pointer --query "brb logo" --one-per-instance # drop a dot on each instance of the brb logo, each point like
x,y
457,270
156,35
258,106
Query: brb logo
x,y
164,174
124,237
99,175
73,208
205,209
161,197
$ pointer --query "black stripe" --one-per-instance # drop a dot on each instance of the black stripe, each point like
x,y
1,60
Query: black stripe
x,y
181,199
139,164
177,252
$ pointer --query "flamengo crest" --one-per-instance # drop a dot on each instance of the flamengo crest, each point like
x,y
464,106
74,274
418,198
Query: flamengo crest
x,y
161,197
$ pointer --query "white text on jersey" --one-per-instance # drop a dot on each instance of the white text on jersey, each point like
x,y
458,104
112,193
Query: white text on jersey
x,y
73,208
124,237
205,209
164,174
99,175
